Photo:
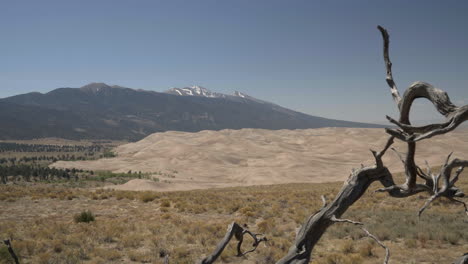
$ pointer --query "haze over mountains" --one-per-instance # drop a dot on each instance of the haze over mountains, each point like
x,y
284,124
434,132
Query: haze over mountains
x,y
100,111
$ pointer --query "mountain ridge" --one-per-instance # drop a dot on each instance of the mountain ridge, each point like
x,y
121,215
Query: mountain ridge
x,y
101,111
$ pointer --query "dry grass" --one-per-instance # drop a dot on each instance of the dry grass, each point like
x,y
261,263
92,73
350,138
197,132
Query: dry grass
x,y
142,227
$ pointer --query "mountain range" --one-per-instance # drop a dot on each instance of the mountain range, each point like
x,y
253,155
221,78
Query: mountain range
x,y
101,111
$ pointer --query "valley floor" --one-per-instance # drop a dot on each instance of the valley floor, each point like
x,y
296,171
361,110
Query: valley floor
x,y
39,212
142,227
226,158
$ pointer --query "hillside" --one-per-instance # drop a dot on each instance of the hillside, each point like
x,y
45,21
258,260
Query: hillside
x,y
224,158
100,111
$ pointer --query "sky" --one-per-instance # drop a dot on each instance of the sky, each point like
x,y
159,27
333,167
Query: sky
x,y
322,58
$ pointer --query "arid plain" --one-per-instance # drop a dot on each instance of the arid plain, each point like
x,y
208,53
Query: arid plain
x,y
144,220
227,158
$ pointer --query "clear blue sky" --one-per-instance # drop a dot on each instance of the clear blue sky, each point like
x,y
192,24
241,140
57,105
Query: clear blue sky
x,y
319,57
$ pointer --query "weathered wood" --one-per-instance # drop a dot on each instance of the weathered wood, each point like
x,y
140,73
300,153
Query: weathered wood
x,y
237,231
360,180
462,260
388,66
448,188
11,251
387,250
316,225
454,115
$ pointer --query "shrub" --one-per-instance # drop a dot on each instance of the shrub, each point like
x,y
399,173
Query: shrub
x,y
264,226
148,197
5,256
107,254
109,154
84,217
165,203
141,257
347,247
410,243
365,250
132,240
452,238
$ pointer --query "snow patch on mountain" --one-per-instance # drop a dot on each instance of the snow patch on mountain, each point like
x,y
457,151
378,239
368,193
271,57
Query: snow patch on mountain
x,y
241,95
203,92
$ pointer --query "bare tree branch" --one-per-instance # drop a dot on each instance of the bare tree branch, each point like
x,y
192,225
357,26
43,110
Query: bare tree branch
x,y
457,175
388,66
316,225
324,201
448,158
258,238
428,169
378,156
424,176
11,251
448,189
427,203
399,156
336,220
462,260
410,134
360,179
454,115
445,174
387,251
463,203
238,232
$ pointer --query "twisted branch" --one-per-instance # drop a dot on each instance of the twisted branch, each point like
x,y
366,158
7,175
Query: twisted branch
x,y
388,66
258,238
387,250
454,115
238,232
316,225
448,188
360,179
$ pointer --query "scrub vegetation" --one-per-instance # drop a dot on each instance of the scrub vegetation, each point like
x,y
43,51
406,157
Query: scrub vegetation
x,y
142,227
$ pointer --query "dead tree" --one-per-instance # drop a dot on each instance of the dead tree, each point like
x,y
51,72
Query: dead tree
x,y
11,251
237,231
417,180
462,260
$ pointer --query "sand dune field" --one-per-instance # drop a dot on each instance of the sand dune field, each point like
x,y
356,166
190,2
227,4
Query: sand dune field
x,y
184,161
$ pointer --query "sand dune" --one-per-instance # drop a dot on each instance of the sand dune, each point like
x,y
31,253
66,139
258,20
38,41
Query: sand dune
x,y
256,156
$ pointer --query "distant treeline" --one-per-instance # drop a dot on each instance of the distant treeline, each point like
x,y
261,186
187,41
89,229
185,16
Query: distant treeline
x,y
18,147
36,173
49,159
